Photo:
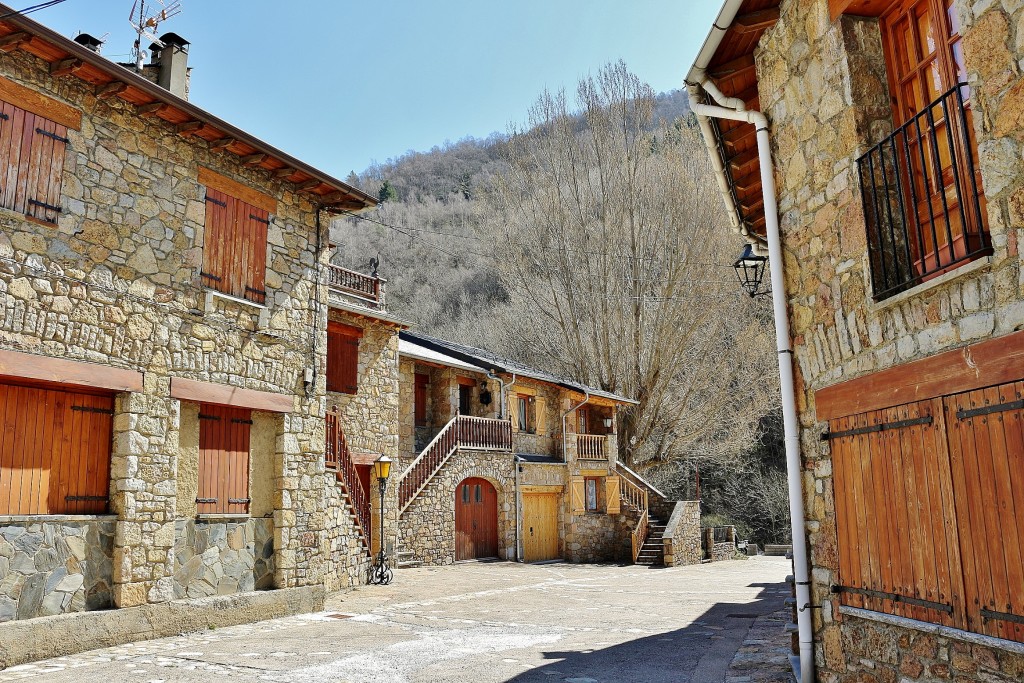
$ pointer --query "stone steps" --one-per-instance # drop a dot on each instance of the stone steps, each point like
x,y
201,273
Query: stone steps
x,y
652,552
404,560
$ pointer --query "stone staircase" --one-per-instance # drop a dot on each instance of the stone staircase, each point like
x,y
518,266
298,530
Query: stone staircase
x,y
652,553
404,559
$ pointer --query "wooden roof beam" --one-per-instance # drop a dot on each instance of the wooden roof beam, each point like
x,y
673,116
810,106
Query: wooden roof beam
x,y
341,201
733,67
221,144
284,172
152,109
307,185
748,182
760,20
111,89
189,128
13,41
254,159
66,67
743,158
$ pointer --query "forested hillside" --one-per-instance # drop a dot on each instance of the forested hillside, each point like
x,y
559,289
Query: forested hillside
x,y
590,241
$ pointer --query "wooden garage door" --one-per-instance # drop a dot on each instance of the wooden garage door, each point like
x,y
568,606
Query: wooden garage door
x,y
476,520
540,526
54,451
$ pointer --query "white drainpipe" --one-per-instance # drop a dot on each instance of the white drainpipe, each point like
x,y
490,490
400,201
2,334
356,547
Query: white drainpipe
x,y
734,109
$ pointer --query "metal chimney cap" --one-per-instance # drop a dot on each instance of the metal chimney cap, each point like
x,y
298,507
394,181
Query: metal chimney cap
x,y
89,41
174,40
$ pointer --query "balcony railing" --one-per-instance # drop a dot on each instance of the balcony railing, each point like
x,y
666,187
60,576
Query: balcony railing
x,y
369,289
922,195
591,447
484,433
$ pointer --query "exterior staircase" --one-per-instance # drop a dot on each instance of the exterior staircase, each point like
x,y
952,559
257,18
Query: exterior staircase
x,y
652,551
338,458
462,431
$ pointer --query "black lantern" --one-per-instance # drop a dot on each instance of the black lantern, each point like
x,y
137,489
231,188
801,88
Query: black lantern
x,y
750,270
380,571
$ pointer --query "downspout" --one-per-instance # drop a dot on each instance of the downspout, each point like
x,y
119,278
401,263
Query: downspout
x,y
733,109
519,505
502,406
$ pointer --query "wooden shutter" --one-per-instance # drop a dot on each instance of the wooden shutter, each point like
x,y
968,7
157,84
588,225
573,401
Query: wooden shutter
x,y
513,410
55,450
420,399
32,152
223,459
235,246
894,510
611,488
986,444
342,358
578,493
540,407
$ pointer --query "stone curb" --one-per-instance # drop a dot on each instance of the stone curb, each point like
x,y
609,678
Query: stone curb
x,y
65,634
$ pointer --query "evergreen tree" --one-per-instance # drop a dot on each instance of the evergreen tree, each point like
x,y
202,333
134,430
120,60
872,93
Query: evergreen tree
x,y
387,192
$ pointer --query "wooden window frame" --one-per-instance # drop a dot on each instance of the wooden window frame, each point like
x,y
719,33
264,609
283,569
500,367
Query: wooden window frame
x,y
596,483
225,457
527,412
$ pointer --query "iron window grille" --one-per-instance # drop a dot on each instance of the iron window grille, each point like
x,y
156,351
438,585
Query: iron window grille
x,y
923,201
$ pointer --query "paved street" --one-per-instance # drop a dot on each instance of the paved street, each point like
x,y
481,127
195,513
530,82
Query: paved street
x,y
476,622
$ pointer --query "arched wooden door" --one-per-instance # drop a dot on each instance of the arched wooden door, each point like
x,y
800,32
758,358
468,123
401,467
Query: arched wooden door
x,y
476,519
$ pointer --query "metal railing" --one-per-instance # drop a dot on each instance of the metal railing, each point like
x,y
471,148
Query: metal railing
x,y
338,458
368,288
922,197
591,447
462,431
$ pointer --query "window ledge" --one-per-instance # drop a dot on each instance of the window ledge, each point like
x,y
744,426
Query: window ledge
x,y
212,295
222,516
968,269
937,629
37,519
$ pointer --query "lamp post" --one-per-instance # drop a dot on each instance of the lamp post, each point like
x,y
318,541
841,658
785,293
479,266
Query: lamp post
x,y
380,571
750,271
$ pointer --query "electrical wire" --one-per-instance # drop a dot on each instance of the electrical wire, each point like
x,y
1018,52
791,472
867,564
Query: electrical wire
x,y
32,8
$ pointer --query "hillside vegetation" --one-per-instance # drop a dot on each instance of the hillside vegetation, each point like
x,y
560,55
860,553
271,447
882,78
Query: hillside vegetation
x,y
590,242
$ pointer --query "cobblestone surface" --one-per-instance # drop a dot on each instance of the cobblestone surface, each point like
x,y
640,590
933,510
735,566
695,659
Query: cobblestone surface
x,y
476,622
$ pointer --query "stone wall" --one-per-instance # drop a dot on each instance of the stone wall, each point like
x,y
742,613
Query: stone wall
x,y
822,84
222,556
598,536
55,565
117,282
682,539
427,527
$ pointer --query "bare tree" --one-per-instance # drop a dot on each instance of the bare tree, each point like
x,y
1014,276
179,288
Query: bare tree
x,y
611,246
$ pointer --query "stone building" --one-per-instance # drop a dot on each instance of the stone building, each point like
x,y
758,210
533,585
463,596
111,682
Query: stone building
x,y
497,459
895,133
164,373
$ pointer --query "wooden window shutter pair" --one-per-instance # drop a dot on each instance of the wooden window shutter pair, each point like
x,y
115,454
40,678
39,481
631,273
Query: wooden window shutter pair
x,y
223,459
342,359
235,248
32,151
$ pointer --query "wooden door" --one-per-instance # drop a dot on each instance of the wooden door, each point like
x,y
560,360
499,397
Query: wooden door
x,y
476,520
540,526
420,399
925,60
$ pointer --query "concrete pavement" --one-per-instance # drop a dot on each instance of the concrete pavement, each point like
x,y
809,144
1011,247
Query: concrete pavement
x,y
475,622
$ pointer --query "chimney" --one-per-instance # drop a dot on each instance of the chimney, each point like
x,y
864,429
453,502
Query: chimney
x,y
91,42
172,59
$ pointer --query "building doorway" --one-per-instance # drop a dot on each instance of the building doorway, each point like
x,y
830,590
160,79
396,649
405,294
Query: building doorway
x,y
476,520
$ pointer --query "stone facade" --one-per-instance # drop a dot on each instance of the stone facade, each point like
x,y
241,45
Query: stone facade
x,y
117,282
682,535
223,557
822,84
55,565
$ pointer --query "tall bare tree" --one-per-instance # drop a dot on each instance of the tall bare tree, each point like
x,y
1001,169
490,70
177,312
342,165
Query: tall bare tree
x,y
611,246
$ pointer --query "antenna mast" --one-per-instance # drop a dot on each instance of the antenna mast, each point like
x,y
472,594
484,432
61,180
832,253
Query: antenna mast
x,y
145,25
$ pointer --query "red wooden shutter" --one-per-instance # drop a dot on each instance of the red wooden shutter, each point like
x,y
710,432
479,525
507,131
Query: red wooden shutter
x,y
342,358
216,243
235,248
54,451
223,460
254,223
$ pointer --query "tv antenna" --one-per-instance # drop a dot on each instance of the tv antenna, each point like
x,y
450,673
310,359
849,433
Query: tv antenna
x,y
146,22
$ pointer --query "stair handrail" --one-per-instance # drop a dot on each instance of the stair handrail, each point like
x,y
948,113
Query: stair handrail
x,y
640,534
427,463
640,481
338,457
633,496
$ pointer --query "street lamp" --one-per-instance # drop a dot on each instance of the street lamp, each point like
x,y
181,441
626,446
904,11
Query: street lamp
x,y
750,270
380,572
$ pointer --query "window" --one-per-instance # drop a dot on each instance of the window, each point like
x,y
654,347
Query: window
x,y
921,187
591,492
55,450
584,421
420,399
223,460
343,357
929,514
32,149
235,246
525,413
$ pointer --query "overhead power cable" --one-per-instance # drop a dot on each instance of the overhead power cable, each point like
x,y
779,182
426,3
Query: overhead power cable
x,y
32,8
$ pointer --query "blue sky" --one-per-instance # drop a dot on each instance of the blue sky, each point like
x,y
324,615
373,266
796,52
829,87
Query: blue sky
x,y
340,83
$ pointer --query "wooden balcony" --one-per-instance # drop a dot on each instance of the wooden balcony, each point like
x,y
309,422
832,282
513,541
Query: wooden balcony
x,y
591,447
366,289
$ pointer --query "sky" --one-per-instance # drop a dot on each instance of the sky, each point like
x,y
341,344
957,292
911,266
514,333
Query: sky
x,y
341,84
